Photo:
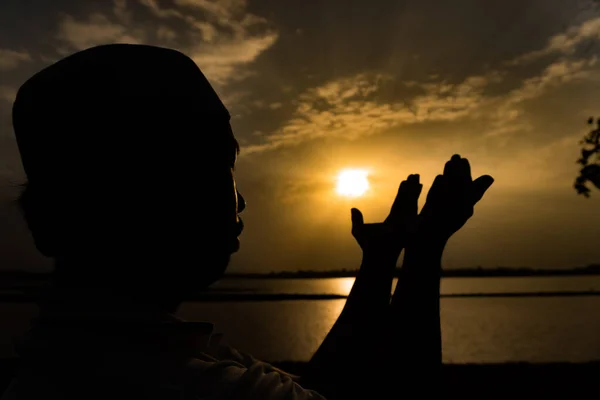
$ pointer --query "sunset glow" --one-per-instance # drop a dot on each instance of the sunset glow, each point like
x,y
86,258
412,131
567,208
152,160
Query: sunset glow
x,y
335,104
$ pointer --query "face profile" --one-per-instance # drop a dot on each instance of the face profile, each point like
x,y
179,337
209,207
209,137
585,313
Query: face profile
x,y
130,168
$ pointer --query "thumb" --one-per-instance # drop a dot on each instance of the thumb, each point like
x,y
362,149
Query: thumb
x,y
357,219
480,186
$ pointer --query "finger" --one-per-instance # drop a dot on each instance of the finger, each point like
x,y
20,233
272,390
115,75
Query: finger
x,y
416,185
419,191
412,211
415,191
437,187
480,186
436,195
458,171
450,165
357,219
402,190
465,170
455,172
406,200
402,187
413,179
397,204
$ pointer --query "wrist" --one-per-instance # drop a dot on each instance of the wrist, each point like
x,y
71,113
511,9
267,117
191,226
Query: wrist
x,y
425,252
389,258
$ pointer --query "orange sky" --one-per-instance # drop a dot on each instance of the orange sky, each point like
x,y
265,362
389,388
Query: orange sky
x,y
395,87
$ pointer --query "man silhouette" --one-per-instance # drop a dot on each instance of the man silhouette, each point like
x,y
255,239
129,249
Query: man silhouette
x,y
129,157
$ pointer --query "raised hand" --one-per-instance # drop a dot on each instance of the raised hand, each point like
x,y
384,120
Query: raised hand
x,y
358,336
387,239
415,316
451,199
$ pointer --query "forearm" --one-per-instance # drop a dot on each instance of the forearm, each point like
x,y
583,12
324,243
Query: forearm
x,y
349,345
373,285
419,280
415,309
365,309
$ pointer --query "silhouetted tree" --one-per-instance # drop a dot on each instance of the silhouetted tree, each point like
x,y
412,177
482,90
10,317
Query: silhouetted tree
x,y
590,160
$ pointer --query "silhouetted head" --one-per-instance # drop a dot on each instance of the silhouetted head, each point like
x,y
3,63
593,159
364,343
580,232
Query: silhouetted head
x,y
129,156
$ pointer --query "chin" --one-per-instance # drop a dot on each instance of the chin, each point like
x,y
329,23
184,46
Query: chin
x,y
210,271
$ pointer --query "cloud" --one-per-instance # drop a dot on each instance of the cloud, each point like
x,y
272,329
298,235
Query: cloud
x,y
220,37
449,102
208,31
96,29
565,42
231,37
121,11
166,34
155,8
221,60
10,59
7,93
508,115
349,108
560,72
222,9
231,13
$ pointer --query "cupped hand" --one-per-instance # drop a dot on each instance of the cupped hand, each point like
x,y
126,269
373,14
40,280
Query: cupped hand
x,y
388,238
452,198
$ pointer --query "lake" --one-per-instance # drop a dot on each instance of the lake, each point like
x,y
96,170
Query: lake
x,y
474,330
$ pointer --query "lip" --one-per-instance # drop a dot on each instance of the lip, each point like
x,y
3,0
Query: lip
x,y
235,243
240,225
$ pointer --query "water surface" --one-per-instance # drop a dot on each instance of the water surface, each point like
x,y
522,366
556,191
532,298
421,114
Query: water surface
x,y
474,330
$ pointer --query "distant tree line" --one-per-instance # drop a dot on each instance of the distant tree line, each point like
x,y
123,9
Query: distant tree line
x,y
593,269
462,272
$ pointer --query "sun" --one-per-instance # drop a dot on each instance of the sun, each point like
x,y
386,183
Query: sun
x,y
352,182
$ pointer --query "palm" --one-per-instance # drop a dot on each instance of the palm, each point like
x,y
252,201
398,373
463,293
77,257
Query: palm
x,y
452,197
389,237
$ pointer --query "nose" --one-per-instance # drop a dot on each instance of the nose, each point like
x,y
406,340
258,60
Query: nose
x,y
241,202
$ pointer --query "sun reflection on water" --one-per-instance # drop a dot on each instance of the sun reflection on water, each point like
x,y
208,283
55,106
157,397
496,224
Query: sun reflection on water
x,y
344,285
